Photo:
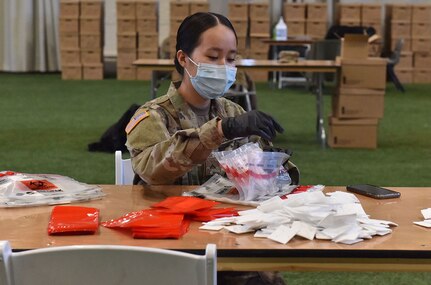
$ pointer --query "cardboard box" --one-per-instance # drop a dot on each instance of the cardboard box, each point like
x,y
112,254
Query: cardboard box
x,y
70,56
147,26
92,71
421,13
294,11
126,9
406,60
421,29
421,44
257,54
316,29
126,26
350,23
71,71
68,41
174,25
242,43
401,29
92,8
350,12
358,103
143,74
126,73
257,44
147,54
259,28
91,41
405,75
127,41
179,10
126,57
371,13
69,25
146,9
259,11
241,27
238,11
201,6
90,25
91,56
352,133
399,12
363,73
422,59
354,46
69,8
422,75
148,42
295,27
257,75
317,12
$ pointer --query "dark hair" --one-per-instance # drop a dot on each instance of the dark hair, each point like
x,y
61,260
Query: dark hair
x,y
190,30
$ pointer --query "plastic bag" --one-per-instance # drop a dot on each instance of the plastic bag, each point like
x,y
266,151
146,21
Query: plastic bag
x,y
73,220
22,189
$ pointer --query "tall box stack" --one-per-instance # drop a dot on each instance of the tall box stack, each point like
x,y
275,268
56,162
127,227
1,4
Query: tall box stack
x,y
349,14
359,102
148,34
179,11
398,25
421,43
126,39
371,16
91,39
238,14
316,24
260,27
294,17
71,67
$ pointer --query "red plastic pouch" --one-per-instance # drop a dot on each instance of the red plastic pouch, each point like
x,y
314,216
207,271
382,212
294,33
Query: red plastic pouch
x,y
145,218
207,215
160,232
184,204
73,220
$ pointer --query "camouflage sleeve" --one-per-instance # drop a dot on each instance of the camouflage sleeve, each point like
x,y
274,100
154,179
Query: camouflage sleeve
x,y
159,157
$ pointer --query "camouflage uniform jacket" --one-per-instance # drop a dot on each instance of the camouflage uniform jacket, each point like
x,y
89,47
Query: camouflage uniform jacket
x,y
168,146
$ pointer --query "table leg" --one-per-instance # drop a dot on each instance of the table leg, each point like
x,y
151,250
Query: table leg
x,y
153,86
320,127
274,73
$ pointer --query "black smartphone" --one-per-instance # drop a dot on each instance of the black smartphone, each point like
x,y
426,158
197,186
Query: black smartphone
x,y
373,191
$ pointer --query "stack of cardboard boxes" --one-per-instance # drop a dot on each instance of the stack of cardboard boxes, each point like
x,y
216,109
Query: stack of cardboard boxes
x,y
180,9
238,15
260,28
359,102
306,19
366,15
81,39
137,36
413,24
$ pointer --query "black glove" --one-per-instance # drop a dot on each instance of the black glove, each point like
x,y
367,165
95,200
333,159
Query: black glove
x,y
251,123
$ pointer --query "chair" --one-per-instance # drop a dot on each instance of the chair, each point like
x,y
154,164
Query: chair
x,y
392,61
106,264
123,170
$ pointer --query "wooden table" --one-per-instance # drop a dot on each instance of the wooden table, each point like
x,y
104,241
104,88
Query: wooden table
x,y
408,248
315,66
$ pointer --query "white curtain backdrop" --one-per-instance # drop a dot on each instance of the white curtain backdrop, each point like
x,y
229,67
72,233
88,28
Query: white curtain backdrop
x,y
29,35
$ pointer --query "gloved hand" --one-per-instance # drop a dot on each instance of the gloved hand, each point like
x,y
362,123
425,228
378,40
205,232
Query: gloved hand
x,y
251,123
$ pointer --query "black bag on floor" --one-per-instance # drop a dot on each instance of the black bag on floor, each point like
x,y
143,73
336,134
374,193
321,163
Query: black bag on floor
x,y
114,138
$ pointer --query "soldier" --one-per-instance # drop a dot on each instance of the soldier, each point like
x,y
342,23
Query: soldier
x,y
171,138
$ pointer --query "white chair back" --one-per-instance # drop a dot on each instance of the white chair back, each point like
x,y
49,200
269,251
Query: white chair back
x,y
104,264
123,170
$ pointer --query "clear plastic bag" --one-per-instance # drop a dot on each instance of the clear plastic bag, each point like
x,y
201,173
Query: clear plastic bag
x,y
22,189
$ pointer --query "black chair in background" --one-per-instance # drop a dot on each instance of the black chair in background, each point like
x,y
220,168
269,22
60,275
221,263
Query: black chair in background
x,y
393,60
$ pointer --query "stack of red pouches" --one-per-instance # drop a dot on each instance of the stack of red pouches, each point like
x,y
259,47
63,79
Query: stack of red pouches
x,y
170,218
73,220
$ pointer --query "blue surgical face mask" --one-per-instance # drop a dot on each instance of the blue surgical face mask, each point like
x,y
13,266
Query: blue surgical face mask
x,y
212,80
